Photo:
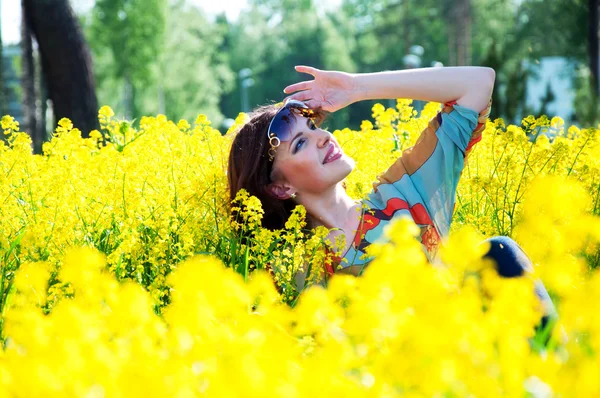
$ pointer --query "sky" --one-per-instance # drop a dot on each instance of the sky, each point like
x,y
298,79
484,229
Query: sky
x,y
10,11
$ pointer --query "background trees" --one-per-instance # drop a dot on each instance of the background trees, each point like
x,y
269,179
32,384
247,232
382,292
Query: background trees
x,y
65,65
3,101
127,35
169,56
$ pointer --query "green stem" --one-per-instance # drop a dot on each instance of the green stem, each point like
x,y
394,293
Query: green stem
x,y
575,160
512,212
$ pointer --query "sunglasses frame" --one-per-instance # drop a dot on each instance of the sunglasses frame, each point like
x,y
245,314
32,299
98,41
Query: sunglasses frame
x,y
300,109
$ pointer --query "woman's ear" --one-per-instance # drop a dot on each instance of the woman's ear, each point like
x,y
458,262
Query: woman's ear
x,y
280,191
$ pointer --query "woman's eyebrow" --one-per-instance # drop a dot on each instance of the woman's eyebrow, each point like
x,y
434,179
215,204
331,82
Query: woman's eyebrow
x,y
293,139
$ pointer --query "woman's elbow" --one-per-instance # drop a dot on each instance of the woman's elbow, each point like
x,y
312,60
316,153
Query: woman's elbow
x,y
489,76
480,89
485,84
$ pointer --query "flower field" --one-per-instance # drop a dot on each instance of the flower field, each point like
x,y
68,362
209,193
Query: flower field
x,y
124,275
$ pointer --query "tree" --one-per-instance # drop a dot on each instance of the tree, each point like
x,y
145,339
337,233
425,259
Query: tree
x,y
274,36
496,44
593,44
3,104
65,59
194,65
166,58
458,19
559,28
30,124
384,32
126,37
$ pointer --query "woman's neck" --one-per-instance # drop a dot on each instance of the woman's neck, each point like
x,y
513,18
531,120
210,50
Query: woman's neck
x,y
331,209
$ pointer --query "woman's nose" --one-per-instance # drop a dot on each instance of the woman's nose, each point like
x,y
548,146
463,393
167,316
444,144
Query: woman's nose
x,y
323,137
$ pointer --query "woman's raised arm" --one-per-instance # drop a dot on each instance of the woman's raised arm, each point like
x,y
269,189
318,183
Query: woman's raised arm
x,y
469,86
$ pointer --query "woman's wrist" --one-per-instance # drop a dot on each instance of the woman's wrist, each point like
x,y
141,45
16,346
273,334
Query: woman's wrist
x,y
376,86
360,90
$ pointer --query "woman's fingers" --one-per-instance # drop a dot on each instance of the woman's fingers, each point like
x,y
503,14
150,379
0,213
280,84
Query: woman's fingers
x,y
301,96
304,97
307,90
297,87
307,69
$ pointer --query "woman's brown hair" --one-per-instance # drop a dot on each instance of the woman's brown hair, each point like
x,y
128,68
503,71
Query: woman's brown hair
x,y
250,168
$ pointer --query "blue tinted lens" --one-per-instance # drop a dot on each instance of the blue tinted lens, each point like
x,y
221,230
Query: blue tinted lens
x,y
281,125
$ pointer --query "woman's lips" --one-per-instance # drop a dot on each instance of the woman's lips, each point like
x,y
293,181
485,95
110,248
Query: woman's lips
x,y
332,154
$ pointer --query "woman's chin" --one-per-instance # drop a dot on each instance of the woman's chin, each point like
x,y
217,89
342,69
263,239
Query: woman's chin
x,y
347,167
349,162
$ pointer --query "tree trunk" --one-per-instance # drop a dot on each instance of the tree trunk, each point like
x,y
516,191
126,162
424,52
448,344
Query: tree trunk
x,y
406,27
43,107
463,32
28,84
128,97
593,44
66,61
451,35
458,23
3,96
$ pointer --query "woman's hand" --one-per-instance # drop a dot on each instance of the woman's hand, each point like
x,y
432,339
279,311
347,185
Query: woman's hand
x,y
330,90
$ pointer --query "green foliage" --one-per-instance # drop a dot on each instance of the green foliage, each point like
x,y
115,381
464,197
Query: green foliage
x,y
193,67
127,36
274,36
154,57
180,62
384,31
554,28
2,92
132,30
586,99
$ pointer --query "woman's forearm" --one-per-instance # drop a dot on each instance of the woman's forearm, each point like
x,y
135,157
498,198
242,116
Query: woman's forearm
x,y
470,86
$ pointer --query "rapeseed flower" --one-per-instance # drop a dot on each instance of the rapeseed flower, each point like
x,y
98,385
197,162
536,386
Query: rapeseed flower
x,y
124,273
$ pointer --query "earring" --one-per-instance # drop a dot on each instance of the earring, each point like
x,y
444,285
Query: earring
x,y
293,196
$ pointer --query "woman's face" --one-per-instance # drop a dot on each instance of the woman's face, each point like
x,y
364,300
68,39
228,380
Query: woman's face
x,y
311,161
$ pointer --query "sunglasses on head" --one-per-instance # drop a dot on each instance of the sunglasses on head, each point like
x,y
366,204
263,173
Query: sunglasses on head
x,y
280,128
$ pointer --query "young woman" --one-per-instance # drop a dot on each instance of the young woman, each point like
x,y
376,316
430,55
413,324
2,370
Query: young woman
x,y
282,157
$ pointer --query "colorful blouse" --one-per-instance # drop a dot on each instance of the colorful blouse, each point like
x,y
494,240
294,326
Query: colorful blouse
x,y
420,184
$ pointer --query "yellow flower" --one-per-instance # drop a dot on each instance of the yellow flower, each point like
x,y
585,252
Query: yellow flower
x,y
202,120
542,141
96,135
104,287
9,124
184,125
366,125
65,124
106,112
557,122
573,132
